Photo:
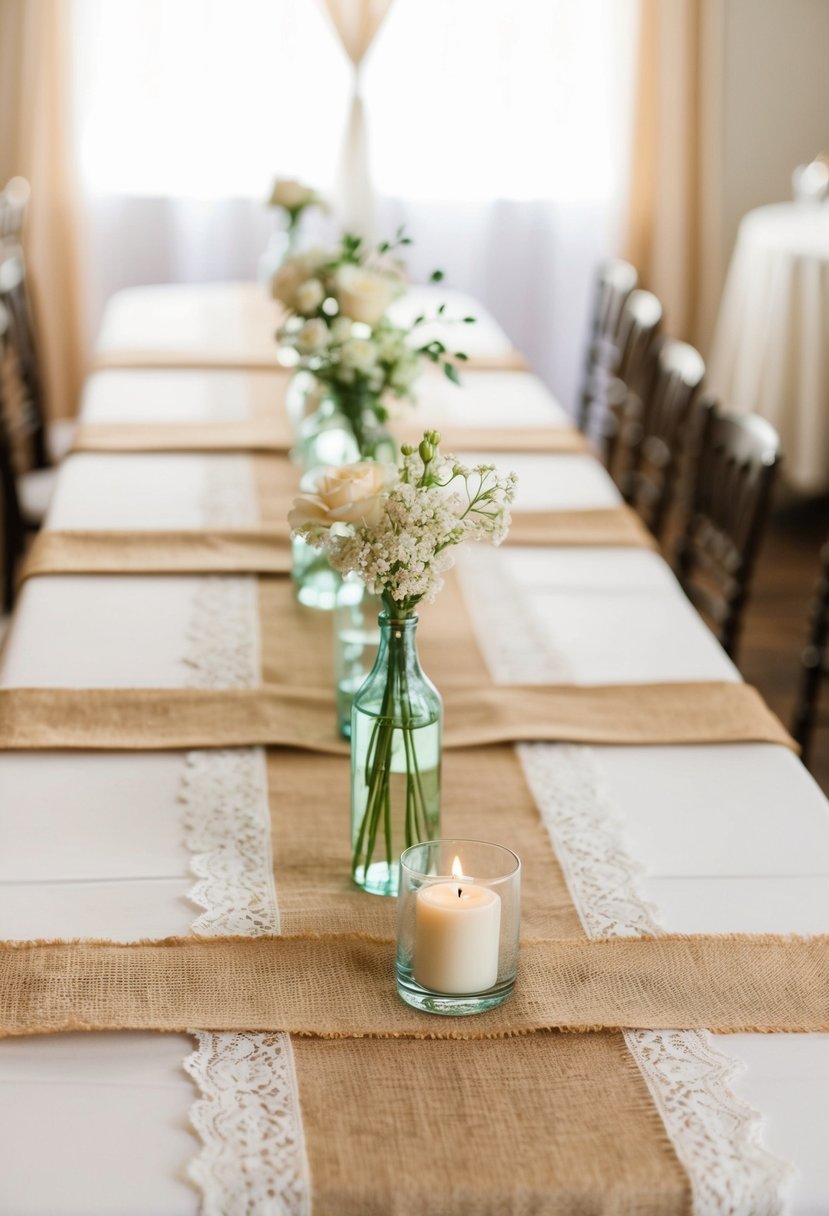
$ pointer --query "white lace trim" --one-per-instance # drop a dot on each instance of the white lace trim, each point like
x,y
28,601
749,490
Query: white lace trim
x,y
229,499
516,648
223,635
715,1134
252,1161
226,829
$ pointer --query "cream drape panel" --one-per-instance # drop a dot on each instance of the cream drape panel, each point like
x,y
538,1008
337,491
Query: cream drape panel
x,y
356,23
35,142
674,210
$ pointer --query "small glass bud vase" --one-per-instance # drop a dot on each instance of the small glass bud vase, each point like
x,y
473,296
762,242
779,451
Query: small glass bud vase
x,y
458,925
356,642
325,437
302,398
396,735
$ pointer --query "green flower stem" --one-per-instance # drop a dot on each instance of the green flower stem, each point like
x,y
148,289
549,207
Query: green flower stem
x,y
377,773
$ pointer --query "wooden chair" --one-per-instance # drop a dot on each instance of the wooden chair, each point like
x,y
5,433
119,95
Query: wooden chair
x,y
615,281
737,463
638,333
28,423
12,528
654,429
814,662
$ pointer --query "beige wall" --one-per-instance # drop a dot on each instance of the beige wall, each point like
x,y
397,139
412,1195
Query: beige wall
x,y
770,83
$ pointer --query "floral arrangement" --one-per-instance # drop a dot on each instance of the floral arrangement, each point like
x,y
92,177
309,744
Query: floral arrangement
x,y
398,529
294,198
337,301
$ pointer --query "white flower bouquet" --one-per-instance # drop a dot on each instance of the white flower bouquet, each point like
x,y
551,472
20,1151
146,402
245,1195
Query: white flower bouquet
x,y
338,327
398,529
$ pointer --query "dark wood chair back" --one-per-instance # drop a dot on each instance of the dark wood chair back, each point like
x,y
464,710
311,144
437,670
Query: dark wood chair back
x,y
26,419
814,662
638,333
737,462
614,283
654,433
12,531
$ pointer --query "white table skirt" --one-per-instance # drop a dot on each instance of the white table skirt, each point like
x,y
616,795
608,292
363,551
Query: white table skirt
x,y
770,352
730,838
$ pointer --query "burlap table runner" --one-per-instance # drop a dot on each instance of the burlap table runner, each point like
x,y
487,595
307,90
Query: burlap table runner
x,y
727,984
274,435
547,1123
268,550
152,719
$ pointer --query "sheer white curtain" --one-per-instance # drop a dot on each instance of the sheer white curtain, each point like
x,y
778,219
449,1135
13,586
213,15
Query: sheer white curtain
x,y
498,134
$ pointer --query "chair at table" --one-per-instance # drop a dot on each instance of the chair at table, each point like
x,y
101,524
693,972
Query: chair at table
x,y
615,281
654,431
814,662
37,445
638,334
12,528
737,462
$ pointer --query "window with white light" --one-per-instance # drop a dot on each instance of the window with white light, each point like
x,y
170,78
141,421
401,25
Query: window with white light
x,y
466,100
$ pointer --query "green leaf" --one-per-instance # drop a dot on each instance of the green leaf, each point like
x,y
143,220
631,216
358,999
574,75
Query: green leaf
x,y
451,373
459,354
441,310
383,247
469,320
436,276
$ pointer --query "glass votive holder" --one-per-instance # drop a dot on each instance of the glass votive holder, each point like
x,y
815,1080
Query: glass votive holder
x,y
458,921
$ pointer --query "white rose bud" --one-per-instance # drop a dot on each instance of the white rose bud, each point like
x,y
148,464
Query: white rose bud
x,y
309,295
312,337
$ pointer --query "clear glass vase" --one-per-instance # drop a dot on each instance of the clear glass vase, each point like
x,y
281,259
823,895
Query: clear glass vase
x,y
325,437
356,642
396,731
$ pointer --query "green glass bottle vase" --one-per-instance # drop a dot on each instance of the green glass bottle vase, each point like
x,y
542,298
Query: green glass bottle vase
x,y
396,734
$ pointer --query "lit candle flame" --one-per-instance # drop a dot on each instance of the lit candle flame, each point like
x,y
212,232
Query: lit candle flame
x,y
457,873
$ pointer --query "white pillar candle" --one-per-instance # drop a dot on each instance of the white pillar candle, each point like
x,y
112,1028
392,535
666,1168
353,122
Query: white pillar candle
x,y
457,936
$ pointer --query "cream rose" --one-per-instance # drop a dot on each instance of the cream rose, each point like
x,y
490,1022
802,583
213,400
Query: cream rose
x,y
312,337
294,272
359,354
344,494
292,195
309,295
364,294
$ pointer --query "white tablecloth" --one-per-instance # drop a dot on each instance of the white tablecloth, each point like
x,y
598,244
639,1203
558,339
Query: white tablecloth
x,y
730,838
234,324
770,352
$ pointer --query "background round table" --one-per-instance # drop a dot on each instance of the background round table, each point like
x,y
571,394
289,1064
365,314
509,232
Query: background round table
x,y
770,353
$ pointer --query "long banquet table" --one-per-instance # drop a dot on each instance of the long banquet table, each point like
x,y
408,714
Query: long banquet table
x,y
704,839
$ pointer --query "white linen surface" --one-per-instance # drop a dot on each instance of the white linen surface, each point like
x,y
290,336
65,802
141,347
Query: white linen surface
x,y
236,321
731,838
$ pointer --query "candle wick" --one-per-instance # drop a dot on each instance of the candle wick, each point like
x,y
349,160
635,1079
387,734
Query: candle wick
x,y
460,892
